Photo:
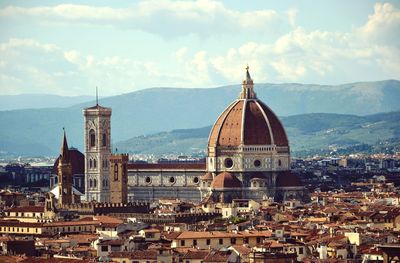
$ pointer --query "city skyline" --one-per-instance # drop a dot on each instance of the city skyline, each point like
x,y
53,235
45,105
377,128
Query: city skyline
x,y
68,48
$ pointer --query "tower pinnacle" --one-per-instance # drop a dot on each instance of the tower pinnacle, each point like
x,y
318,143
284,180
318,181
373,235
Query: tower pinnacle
x,y
64,156
97,97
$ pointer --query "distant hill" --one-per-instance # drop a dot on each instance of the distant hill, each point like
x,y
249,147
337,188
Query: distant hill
x,y
39,101
38,131
308,134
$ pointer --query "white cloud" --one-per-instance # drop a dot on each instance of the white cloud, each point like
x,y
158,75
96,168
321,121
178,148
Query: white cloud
x,y
165,17
31,66
307,56
26,43
297,54
383,25
292,13
180,54
72,56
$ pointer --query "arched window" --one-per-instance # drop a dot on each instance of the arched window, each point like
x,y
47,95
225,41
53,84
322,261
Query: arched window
x,y
104,139
94,183
90,163
92,138
90,183
115,172
279,162
104,182
94,163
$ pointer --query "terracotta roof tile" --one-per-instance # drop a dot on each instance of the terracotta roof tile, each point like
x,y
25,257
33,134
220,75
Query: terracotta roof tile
x,y
77,161
226,180
34,209
196,254
138,254
287,179
259,122
218,234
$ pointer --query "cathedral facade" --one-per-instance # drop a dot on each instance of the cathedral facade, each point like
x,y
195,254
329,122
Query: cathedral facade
x,y
248,157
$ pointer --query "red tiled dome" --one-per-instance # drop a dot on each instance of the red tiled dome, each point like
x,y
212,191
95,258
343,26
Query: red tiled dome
x,y
77,161
225,180
287,179
207,176
247,122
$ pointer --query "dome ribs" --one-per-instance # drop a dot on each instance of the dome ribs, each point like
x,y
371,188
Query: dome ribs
x,y
278,132
256,131
230,133
226,180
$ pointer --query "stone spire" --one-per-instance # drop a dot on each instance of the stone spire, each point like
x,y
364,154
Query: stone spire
x,y
247,87
64,156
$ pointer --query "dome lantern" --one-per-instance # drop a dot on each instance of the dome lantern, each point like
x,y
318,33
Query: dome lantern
x,y
247,87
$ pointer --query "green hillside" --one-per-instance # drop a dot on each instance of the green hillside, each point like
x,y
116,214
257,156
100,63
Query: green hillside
x,y
39,131
308,134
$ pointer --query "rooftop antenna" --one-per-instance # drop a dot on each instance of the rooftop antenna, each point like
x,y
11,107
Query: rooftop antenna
x,y
97,97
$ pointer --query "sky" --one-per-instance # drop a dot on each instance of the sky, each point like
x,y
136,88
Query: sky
x,y
69,48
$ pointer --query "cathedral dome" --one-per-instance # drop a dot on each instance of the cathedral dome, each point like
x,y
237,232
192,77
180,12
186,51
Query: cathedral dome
x,y
287,179
225,180
247,121
77,161
207,177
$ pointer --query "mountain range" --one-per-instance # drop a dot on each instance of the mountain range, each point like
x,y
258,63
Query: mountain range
x,y
151,111
308,134
38,101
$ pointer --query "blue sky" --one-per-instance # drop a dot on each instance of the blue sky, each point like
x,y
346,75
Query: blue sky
x,y
68,48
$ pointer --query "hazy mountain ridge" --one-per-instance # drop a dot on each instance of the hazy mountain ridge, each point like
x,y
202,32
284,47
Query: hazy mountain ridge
x,y
39,101
39,131
307,133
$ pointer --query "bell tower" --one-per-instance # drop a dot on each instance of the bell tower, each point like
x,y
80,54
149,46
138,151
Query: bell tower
x,y
65,175
97,141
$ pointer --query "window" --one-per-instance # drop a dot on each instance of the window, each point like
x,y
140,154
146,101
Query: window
x,y
279,162
90,163
92,138
104,248
104,140
208,242
115,172
172,180
148,180
182,243
221,241
90,183
228,163
194,242
233,241
258,240
257,163
301,250
94,183
196,180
